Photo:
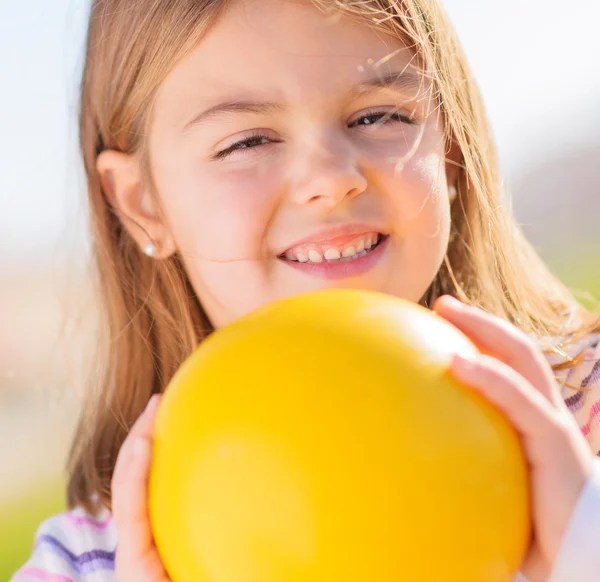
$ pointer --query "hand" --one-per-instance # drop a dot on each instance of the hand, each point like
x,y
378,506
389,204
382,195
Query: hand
x,y
137,557
514,376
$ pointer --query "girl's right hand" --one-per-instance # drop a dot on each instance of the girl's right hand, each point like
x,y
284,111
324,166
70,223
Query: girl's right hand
x,y
136,557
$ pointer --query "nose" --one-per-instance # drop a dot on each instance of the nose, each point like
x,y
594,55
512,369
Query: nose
x,y
328,178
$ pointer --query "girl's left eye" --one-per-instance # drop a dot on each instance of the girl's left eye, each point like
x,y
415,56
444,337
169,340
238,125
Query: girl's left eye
x,y
254,140
383,118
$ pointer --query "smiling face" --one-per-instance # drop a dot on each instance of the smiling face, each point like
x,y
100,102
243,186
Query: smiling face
x,y
290,155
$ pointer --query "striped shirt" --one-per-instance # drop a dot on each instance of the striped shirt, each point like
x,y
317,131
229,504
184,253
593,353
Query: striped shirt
x,y
76,547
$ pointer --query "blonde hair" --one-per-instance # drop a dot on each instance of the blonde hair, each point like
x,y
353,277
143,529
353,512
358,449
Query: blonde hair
x,y
153,320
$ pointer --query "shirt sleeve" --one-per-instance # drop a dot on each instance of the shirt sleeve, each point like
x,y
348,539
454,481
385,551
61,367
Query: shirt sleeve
x,y
71,547
578,559
581,391
579,556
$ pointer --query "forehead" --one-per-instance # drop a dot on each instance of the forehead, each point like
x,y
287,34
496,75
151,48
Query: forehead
x,y
286,48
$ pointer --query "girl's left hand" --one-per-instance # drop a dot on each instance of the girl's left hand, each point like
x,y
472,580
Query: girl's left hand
x,y
517,379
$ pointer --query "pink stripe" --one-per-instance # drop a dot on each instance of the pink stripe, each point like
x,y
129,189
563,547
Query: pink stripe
x,y
41,575
85,520
594,412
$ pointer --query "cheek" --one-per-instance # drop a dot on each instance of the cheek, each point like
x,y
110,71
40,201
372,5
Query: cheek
x,y
218,220
419,205
219,215
419,197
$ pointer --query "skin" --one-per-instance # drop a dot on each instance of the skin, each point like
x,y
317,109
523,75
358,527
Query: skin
x,y
230,219
322,166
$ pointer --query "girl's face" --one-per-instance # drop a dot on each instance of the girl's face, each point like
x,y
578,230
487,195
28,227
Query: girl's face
x,y
272,171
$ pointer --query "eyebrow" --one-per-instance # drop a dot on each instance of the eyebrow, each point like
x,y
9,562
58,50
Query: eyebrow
x,y
259,108
402,81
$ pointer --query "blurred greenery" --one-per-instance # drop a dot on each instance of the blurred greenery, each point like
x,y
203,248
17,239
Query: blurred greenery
x,y
581,275
21,519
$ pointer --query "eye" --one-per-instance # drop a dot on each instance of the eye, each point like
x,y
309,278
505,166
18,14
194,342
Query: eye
x,y
378,117
253,141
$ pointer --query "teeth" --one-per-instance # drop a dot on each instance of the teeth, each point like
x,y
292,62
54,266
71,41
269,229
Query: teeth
x,y
302,257
371,241
333,254
315,257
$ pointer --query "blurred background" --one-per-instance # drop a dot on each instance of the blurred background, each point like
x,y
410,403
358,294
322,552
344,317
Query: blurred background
x,y
538,66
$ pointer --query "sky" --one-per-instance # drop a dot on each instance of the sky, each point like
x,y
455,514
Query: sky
x,y
537,63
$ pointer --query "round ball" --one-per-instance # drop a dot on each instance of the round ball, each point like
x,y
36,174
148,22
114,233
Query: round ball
x,y
321,438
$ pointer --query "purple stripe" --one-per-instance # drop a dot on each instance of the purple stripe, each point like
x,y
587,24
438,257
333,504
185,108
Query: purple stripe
x,y
593,377
84,563
573,401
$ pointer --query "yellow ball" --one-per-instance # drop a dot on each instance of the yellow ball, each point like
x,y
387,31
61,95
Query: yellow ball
x,y
321,439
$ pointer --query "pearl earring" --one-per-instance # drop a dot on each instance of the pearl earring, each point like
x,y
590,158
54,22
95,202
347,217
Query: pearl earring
x,y
150,249
453,192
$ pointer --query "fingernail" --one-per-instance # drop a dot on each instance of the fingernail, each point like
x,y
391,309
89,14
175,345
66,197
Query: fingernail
x,y
152,403
452,302
464,364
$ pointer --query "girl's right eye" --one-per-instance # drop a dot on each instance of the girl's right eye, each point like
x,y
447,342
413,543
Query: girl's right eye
x,y
251,142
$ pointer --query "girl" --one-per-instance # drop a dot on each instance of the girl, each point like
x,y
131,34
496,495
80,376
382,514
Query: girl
x,y
242,151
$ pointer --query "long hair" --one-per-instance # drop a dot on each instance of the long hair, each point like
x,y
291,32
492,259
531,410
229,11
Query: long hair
x,y
151,318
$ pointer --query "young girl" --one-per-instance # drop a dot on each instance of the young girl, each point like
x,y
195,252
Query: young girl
x,y
239,152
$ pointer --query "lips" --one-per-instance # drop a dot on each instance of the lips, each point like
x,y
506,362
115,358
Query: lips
x,y
346,239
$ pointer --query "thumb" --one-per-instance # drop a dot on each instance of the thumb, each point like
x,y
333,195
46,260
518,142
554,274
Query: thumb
x,y
130,486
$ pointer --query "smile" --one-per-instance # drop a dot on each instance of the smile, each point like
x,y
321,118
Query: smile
x,y
358,247
350,259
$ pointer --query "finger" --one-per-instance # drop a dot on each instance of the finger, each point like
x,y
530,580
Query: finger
x,y
527,410
142,427
503,340
130,485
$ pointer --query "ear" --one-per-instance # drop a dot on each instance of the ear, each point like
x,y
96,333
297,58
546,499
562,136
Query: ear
x,y
454,162
121,180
